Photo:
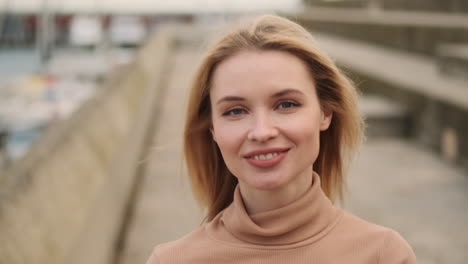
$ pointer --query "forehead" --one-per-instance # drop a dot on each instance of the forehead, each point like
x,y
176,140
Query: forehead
x,y
251,70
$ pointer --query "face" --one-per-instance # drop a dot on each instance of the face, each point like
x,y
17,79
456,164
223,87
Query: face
x,y
266,118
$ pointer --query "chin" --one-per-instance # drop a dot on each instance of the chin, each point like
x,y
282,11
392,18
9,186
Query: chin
x,y
267,184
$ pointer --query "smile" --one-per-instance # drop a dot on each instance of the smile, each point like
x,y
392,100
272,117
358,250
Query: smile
x,y
266,158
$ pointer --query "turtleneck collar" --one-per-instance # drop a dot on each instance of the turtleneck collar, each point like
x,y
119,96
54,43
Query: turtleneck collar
x,y
303,219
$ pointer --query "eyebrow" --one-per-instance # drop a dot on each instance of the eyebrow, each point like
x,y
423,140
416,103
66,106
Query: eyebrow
x,y
230,99
284,92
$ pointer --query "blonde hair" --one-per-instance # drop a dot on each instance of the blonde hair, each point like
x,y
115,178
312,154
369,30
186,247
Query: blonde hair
x,y
212,183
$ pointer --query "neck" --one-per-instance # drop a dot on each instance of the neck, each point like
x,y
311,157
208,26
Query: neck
x,y
257,201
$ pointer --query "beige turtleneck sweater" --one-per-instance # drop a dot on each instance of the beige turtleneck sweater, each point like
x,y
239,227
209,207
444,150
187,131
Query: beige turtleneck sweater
x,y
309,230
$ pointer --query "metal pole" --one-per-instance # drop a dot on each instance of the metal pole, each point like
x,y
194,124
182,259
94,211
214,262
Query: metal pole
x,y
44,35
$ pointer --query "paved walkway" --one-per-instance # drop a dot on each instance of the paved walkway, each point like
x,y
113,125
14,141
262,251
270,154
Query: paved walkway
x,y
397,184
393,183
165,208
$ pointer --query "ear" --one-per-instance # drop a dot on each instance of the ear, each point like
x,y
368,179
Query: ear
x,y
213,135
325,119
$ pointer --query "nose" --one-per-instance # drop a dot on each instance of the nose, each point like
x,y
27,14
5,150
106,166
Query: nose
x,y
262,129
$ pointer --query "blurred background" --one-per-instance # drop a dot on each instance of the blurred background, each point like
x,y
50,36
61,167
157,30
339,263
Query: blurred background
x,y
92,101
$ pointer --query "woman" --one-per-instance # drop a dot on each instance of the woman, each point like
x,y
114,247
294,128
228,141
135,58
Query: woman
x,y
271,125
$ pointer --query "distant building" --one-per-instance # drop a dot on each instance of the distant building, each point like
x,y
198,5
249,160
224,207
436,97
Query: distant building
x,y
454,6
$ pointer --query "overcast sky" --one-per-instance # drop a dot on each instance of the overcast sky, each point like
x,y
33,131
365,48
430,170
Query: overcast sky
x,y
151,5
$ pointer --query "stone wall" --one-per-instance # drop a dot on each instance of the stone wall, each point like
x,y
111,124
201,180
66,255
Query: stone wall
x,y
65,201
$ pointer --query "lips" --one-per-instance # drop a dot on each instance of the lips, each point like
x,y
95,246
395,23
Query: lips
x,y
266,158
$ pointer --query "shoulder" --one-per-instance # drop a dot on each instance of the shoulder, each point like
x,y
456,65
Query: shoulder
x,y
395,249
188,244
389,245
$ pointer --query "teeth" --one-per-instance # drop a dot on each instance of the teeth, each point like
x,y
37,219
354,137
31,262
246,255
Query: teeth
x,y
265,156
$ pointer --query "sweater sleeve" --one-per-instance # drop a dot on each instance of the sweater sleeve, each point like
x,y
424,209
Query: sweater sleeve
x,y
153,259
396,250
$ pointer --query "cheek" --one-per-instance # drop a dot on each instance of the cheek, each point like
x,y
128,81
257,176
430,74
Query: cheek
x,y
305,124
228,138
306,134
303,131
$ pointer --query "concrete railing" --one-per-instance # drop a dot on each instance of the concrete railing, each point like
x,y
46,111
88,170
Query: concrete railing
x,y
437,106
454,6
420,32
65,201
438,109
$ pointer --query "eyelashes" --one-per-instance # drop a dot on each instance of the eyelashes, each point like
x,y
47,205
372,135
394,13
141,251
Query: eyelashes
x,y
284,106
234,112
287,104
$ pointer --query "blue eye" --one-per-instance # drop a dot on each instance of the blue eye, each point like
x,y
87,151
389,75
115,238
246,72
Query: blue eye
x,y
233,112
287,104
